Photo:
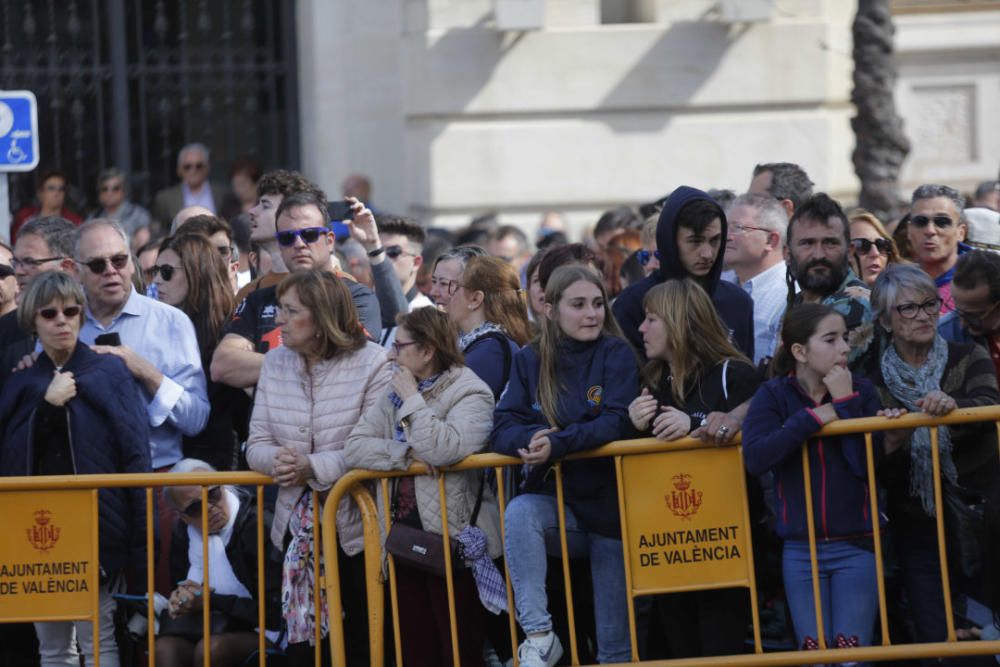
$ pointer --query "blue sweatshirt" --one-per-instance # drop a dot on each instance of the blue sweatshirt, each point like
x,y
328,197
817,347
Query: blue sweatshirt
x,y
599,379
780,420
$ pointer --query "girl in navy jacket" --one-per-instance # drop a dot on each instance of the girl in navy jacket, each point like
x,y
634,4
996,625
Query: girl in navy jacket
x,y
813,387
568,392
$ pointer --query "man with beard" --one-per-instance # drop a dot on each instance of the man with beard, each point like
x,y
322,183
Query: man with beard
x,y
818,239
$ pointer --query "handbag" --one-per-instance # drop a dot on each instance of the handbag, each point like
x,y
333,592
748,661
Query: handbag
x,y
964,527
423,550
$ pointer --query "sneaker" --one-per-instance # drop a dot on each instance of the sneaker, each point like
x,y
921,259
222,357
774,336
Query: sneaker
x,y
542,651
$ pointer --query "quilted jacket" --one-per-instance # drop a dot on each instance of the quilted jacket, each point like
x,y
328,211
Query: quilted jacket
x,y
449,421
313,411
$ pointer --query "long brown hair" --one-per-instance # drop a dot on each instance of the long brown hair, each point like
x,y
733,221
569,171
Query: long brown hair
x,y
697,339
329,302
430,328
504,302
798,326
549,386
210,300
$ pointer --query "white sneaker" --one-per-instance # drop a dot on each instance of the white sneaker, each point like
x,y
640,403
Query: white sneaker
x,y
543,651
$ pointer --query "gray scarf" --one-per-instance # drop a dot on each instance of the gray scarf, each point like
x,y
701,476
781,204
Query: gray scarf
x,y
908,385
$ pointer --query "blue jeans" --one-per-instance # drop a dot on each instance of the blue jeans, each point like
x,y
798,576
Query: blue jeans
x,y
526,520
848,590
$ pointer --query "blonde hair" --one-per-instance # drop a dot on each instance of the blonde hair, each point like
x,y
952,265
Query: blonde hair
x,y
867,217
549,386
697,339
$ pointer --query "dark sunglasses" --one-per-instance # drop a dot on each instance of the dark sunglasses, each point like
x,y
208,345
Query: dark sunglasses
x,y
6,271
644,256
309,235
864,246
193,165
940,221
52,313
100,265
164,270
111,188
193,511
394,251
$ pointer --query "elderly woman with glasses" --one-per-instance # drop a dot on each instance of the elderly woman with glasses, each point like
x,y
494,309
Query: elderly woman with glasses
x,y
872,248
76,412
919,371
232,575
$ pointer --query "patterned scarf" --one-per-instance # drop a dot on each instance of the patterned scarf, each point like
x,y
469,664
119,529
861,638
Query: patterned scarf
x,y
399,435
467,339
489,582
908,385
297,578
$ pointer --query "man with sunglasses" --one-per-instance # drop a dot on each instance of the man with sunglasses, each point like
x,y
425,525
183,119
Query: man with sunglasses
x,y
8,283
44,244
112,193
305,243
936,232
193,168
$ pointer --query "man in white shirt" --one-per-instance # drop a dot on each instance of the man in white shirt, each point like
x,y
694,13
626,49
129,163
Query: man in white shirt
x,y
755,251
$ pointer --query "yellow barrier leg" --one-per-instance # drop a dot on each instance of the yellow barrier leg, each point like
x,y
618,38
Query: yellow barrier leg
x,y
628,561
754,611
317,598
448,575
939,516
811,525
95,581
877,535
373,569
261,560
570,615
206,626
393,594
511,609
150,580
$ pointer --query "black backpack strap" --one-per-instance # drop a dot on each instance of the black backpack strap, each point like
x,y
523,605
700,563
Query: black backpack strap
x,y
507,355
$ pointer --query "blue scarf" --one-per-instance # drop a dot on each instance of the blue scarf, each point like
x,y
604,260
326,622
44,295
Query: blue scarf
x,y
400,435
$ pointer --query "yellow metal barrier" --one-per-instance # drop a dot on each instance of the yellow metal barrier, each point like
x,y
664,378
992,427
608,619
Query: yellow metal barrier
x,y
149,482
351,484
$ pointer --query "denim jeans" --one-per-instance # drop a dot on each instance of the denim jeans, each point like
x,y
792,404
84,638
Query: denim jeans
x,y
848,590
526,520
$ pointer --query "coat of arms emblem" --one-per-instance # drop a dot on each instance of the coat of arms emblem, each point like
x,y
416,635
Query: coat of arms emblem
x,y
684,501
43,535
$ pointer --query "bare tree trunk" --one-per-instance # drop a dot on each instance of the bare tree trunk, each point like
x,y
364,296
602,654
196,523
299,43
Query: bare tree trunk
x,y
881,146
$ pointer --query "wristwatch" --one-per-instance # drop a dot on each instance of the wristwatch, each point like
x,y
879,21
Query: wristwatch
x,y
376,252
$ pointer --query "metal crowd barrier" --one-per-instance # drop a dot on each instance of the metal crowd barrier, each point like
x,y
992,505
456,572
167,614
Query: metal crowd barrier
x,y
352,484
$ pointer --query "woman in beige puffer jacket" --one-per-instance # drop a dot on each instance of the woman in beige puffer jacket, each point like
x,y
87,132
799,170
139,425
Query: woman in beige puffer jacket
x,y
438,412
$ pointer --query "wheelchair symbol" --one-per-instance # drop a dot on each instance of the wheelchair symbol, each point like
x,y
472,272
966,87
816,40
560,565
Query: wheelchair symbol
x,y
15,154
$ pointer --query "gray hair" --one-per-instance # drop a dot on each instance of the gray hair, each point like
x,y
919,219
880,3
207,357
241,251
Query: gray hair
x,y
788,181
351,249
462,253
95,223
194,146
44,289
932,191
185,466
58,233
896,277
986,187
771,214
112,173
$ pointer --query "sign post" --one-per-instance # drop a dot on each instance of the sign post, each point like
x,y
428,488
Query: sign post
x,y
18,144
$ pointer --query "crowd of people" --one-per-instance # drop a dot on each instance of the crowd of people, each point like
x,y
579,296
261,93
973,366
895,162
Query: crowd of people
x,y
314,344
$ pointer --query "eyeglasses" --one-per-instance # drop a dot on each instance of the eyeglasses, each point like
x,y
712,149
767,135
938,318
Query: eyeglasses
x,y
737,228
450,286
930,307
193,165
100,264
396,345
164,270
52,313
30,263
864,246
193,511
225,250
644,256
979,319
308,235
394,251
112,188
6,271
940,221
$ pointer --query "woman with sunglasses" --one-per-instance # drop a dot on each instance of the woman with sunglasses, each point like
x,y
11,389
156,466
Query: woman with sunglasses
x,y
872,248
191,274
76,412
312,390
232,576
437,412
921,372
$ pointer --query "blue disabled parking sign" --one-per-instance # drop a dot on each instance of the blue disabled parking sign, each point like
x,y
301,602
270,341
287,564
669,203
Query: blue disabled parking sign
x,y
18,130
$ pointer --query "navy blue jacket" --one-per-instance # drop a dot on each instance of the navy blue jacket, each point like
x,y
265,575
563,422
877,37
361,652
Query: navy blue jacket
x,y
485,356
780,420
734,306
599,380
109,433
